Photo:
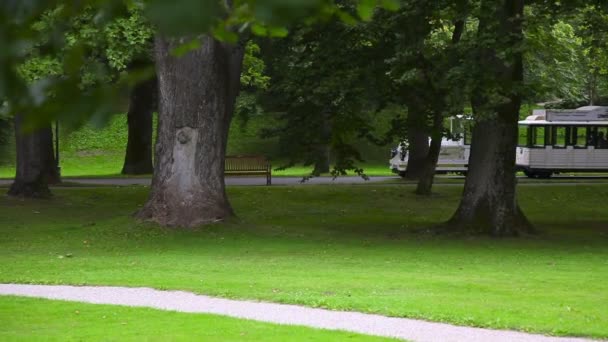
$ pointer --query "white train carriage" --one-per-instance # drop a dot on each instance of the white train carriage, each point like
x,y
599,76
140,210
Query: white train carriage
x,y
453,155
554,141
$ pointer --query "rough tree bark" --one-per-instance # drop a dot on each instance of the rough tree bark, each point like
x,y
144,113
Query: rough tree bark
x,y
36,165
142,103
197,94
489,203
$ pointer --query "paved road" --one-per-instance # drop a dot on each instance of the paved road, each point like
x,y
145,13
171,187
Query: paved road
x,y
441,180
408,329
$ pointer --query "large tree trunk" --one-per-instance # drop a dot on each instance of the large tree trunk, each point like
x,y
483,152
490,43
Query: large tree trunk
x,y
489,203
418,140
142,103
36,165
197,97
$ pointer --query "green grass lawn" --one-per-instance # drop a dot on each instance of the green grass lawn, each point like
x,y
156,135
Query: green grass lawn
x,y
27,319
337,247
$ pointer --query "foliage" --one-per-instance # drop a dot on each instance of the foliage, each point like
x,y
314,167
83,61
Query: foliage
x,y
327,81
555,61
566,55
339,247
20,32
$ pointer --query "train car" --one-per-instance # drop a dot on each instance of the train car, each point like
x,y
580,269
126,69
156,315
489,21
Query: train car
x,y
454,153
571,140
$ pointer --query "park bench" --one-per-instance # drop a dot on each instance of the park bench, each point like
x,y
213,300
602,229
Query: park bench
x,y
248,166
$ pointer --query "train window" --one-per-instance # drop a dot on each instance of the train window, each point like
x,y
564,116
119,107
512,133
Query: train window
x,y
559,136
602,137
537,136
524,134
591,136
578,137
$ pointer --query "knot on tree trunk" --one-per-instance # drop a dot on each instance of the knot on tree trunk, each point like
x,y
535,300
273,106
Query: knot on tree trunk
x,y
184,136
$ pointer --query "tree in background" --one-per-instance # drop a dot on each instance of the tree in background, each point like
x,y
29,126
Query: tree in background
x,y
36,166
428,70
327,80
122,47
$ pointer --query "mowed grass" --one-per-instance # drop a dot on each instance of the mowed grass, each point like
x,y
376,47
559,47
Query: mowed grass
x,y
337,247
27,319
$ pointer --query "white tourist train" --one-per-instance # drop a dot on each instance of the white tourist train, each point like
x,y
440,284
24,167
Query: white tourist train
x,y
550,142
453,156
571,140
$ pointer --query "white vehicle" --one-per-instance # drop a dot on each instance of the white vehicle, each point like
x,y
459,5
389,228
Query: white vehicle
x,y
572,140
453,156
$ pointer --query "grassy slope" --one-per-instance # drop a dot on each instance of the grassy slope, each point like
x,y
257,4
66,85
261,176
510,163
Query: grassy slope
x,y
95,152
340,247
27,319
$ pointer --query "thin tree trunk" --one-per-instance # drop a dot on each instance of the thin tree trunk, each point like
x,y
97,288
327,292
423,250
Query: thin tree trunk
x,y
593,98
142,103
322,163
427,177
489,203
36,165
197,98
418,140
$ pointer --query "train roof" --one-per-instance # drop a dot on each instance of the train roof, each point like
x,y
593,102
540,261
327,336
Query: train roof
x,y
587,115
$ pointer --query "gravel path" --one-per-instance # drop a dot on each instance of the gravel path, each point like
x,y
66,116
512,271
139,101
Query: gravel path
x,y
409,329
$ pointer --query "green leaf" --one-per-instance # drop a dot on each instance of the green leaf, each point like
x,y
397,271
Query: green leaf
x,y
346,18
220,32
277,32
259,30
391,5
365,9
186,47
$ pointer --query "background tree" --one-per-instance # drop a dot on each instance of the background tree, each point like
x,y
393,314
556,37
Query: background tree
x,y
428,69
327,81
36,166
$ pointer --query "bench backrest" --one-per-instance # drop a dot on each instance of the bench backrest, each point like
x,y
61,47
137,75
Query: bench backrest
x,y
246,163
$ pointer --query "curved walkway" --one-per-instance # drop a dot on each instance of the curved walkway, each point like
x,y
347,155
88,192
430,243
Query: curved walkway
x,y
409,329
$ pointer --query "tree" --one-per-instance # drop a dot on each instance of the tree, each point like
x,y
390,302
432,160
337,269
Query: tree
x,y
489,202
327,80
123,46
36,165
142,104
188,185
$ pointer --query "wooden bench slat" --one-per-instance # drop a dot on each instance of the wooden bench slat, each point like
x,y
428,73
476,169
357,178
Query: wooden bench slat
x,y
248,165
